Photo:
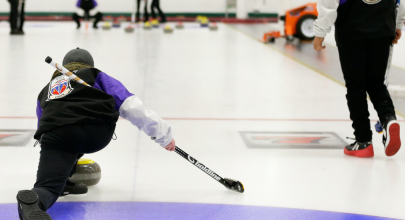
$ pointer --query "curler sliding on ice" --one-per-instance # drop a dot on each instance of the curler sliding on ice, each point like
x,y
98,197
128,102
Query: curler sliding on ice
x,y
77,113
74,120
230,184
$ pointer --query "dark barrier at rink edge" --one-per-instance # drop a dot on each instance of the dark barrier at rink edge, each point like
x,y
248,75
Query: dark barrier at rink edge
x,y
216,17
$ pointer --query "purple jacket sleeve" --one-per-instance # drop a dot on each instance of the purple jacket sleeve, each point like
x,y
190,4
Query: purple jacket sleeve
x,y
94,3
112,87
132,109
39,112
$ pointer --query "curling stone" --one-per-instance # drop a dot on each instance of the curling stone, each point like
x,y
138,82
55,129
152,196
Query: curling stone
x,y
116,24
108,18
179,25
147,26
155,23
88,172
198,18
168,29
121,19
106,26
129,29
204,22
213,26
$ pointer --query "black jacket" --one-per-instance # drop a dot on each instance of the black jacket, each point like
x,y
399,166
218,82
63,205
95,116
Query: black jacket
x,y
365,19
63,102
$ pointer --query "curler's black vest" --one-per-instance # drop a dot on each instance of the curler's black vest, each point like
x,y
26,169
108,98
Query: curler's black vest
x,y
359,20
81,105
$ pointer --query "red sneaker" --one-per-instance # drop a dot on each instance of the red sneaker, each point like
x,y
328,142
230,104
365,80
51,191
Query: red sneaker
x,y
391,137
360,149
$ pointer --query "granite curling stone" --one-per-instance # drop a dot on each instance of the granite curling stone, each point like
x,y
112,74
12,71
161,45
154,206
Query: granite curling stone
x,y
88,172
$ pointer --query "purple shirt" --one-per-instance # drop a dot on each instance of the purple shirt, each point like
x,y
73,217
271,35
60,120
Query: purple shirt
x,y
79,2
39,112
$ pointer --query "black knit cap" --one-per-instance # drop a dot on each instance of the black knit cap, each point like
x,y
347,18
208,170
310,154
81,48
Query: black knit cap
x,y
78,55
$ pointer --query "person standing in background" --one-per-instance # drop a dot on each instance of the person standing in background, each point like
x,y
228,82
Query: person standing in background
x,y
365,33
145,13
17,16
87,5
155,4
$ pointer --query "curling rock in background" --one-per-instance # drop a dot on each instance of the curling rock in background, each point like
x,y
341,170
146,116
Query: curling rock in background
x,y
168,29
116,24
121,19
198,18
155,23
204,22
147,26
88,172
179,25
129,29
106,26
108,18
213,26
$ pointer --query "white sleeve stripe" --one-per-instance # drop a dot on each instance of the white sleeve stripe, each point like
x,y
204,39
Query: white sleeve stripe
x,y
327,15
148,121
401,16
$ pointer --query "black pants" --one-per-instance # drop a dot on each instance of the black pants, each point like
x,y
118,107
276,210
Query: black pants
x,y
145,14
364,66
97,18
17,15
60,150
155,4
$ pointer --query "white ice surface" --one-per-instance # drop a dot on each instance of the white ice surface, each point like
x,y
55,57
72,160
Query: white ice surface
x,y
198,74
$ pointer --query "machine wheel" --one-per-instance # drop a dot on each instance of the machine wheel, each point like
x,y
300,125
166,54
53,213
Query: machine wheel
x,y
305,27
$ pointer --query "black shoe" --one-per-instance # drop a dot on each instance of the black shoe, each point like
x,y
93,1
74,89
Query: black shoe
x,y
98,17
28,208
16,32
391,137
72,187
76,18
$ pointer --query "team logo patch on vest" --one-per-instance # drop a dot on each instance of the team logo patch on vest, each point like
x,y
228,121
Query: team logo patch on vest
x,y
371,2
59,88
